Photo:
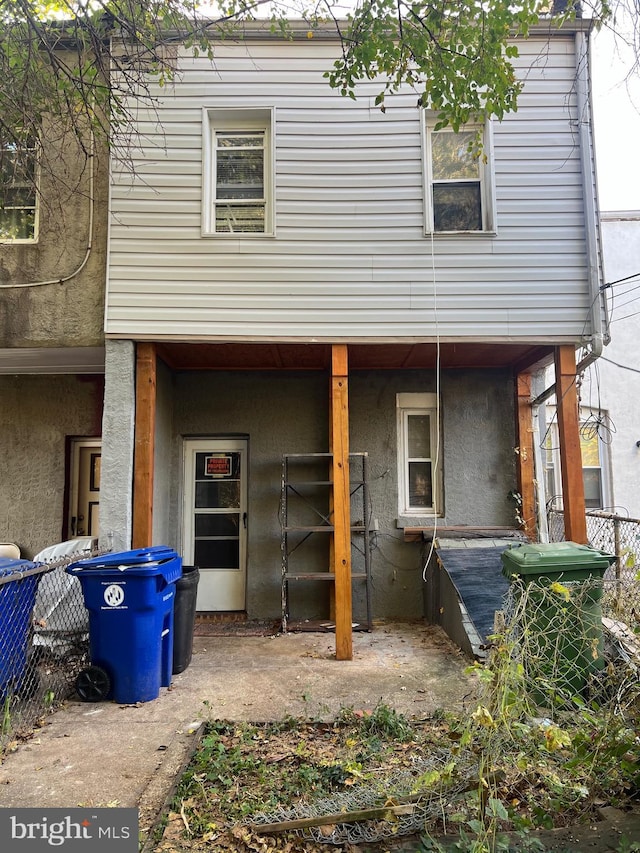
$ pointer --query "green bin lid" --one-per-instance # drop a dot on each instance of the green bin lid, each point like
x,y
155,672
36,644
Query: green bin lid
x,y
544,557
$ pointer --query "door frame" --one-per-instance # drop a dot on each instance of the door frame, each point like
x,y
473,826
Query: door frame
x,y
195,444
75,445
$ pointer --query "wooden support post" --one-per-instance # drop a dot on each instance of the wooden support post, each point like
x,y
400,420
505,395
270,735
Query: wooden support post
x,y
525,456
339,448
144,445
575,520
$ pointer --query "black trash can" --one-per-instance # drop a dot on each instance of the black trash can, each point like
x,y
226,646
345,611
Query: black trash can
x,y
184,617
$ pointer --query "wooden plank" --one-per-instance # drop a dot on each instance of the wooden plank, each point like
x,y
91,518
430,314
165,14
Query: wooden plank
x,y
146,365
525,473
341,501
623,635
575,520
463,531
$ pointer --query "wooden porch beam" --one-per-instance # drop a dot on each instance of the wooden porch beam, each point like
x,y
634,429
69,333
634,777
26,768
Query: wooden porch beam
x,y
575,520
145,427
525,456
339,448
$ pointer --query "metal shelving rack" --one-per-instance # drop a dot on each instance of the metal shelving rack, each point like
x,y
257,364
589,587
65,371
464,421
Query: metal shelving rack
x,y
314,496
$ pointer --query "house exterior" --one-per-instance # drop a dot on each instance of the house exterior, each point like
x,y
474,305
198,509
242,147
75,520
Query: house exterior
x,y
52,274
294,276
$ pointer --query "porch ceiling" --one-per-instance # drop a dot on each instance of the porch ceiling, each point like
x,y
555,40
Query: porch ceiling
x,y
366,356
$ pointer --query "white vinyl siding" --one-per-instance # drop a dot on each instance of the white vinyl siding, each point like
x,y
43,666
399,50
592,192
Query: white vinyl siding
x,y
350,259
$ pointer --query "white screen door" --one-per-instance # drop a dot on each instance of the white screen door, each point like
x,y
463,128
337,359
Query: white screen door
x,y
215,520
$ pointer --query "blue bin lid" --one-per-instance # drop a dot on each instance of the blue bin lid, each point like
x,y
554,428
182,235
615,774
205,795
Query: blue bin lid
x,y
143,561
10,566
139,557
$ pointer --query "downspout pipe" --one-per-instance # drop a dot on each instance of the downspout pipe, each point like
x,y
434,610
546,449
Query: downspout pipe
x,y
597,305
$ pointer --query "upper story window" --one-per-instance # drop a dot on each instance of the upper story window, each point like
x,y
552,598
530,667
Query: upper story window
x,y
458,179
18,193
238,189
419,490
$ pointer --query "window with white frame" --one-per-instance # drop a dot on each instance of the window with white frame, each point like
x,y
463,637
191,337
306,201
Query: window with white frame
x,y
419,490
594,431
593,455
238,191
458,178
18,190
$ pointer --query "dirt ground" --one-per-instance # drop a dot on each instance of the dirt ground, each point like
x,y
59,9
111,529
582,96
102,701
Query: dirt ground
x,y
241,775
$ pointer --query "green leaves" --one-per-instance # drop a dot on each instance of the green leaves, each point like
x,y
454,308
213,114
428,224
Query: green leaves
x,y
455,54
84,65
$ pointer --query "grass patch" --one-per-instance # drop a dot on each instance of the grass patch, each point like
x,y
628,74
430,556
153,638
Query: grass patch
x,y
555,736
472,777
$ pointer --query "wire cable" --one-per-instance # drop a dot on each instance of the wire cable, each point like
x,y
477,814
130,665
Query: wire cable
x,y
622,366
436,467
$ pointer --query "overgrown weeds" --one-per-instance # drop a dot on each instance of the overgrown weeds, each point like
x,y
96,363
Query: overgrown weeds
x,y
536,752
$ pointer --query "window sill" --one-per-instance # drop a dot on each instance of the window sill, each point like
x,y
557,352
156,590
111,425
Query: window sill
x,y
474,234
239,235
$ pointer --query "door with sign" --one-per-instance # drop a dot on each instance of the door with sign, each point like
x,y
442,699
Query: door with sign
x,y
215,520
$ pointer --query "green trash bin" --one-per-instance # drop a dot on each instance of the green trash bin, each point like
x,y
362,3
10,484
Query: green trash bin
x,y
565,645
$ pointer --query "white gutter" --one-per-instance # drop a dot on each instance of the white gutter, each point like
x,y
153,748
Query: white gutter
x,y
597,308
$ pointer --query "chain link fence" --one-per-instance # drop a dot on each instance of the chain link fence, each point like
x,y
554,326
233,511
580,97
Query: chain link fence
x,y
44,643
619,536
555,728
566,647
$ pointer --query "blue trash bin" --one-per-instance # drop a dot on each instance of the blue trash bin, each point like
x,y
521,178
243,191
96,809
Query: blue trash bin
x,y
130,597
18,583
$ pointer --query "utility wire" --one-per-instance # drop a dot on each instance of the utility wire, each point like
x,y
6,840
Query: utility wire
x,y
624,292
622,366
619,281
626,317
617,307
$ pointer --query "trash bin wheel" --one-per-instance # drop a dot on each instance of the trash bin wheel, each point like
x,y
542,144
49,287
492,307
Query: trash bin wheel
x,y
93,684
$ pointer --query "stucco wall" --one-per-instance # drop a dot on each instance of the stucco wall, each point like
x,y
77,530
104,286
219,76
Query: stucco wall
x,y
478,435
67,313
478,466
287,413
116,484
281,413
37,415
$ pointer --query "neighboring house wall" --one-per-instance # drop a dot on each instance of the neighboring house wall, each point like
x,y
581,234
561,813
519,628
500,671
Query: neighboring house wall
x,y
608,390
350,258
614,386
37,416
69,253
51,343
